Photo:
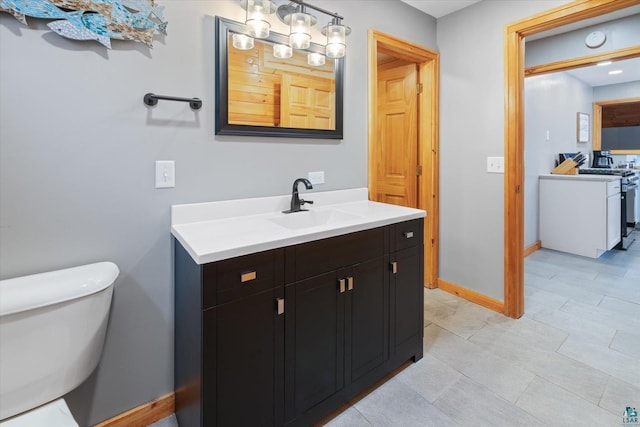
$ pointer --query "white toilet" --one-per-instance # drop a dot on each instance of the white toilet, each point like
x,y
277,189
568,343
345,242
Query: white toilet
x,y
52,330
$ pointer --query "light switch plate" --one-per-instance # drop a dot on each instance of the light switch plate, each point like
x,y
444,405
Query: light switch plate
x,y
495,164
316,177
165,173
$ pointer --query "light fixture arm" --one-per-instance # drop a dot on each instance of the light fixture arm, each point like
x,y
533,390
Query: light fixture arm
x,y
319,9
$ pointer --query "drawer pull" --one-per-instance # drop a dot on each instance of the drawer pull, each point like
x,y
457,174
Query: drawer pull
x,y
341,284
394,267
350,283
246,277
408,234
280,304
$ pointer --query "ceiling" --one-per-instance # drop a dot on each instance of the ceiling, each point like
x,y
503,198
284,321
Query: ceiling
x,y
592,75
599,75
439,8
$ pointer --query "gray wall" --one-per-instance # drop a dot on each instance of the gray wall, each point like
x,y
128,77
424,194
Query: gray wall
x,y
617,91
552,102
77,153
620,33
472,128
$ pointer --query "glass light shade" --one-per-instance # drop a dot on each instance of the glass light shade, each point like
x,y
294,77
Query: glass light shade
x,y
316,59
300,34
257,24
336,41
242,41
282,51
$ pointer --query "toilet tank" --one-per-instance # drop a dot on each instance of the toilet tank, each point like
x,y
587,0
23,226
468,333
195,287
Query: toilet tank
x,y
52,330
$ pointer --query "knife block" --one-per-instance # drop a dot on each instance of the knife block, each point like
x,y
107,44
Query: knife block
x,y
568,167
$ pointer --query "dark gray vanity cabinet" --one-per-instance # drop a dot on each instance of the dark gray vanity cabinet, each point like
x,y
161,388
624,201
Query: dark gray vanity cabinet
x,y
284,337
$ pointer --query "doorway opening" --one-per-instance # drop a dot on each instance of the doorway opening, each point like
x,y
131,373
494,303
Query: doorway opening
x,y
404,169
514,131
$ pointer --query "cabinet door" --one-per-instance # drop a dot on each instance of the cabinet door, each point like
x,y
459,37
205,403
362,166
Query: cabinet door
x,y
240,361
367,319
314,343
614,217
407,308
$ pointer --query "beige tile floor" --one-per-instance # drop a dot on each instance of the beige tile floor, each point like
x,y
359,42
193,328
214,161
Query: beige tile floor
x,y
572,359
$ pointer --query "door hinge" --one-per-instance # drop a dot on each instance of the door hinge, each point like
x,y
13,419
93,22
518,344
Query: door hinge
x,y
418,170
419,88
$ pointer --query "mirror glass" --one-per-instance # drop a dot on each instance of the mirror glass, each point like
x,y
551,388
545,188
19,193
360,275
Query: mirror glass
x,y
258,94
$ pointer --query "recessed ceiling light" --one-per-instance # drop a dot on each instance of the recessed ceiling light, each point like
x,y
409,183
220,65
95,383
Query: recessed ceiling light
x,y
603,63
615,72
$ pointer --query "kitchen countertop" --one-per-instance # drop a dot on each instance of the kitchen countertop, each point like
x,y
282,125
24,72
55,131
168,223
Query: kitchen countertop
x,y
582,177
213,231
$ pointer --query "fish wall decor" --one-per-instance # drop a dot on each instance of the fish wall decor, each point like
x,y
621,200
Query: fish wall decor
x,y
99,20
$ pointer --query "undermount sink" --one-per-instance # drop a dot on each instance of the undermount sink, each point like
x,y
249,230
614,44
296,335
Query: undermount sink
x,y
306,219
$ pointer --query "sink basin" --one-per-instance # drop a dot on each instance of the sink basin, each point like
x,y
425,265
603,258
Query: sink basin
x,y
306,219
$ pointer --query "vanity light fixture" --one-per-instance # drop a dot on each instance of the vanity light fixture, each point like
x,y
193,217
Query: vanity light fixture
x,y
295,15
336,38
257,12
316,59
242,41
300,26
282,51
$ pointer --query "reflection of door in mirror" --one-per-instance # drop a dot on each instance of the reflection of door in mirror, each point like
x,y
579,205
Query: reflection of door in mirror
x,y
307,102
617,126
261,87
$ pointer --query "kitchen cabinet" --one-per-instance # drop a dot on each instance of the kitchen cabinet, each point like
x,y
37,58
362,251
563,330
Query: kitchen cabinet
x,y
580,214
286,336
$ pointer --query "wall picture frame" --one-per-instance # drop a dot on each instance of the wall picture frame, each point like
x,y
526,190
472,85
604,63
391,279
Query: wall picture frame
x,y
583,127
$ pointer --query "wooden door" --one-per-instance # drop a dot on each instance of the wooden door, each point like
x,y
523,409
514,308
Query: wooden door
x,y
394,179
307,102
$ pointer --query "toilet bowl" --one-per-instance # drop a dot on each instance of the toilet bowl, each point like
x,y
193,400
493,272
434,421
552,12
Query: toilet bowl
x,y
52,330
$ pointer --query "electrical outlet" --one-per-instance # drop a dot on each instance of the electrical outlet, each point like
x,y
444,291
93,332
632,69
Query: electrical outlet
x,y
316,177
165,173
495,164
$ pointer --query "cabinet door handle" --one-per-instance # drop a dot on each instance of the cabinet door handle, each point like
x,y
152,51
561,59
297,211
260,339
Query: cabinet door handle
x,y
408,234
341,283
350,283
248,276
394,267
280,305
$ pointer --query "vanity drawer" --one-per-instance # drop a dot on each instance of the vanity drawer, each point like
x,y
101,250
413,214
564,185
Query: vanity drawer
x,y
318,257
407,234
239,277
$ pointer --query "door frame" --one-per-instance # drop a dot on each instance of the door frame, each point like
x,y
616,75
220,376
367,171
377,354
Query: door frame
x,y
428,62
514,132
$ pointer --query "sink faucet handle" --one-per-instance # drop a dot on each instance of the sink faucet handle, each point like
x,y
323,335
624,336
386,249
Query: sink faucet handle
x,y
302,202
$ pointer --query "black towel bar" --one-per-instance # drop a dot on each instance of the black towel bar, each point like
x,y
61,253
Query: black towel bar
x,y
152,99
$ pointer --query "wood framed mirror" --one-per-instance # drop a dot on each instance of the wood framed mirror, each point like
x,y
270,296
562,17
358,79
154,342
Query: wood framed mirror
x,y
258,94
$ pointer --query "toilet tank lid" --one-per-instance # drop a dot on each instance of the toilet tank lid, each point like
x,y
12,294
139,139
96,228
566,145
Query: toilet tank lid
x,y
39,290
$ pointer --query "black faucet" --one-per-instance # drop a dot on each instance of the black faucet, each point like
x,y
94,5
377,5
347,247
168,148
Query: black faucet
x,y
296,201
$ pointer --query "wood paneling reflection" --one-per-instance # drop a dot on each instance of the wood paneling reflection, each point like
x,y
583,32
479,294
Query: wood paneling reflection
x,y
256,91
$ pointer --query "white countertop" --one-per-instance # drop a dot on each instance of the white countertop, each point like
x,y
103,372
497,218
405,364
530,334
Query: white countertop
x,y
582,177
219,230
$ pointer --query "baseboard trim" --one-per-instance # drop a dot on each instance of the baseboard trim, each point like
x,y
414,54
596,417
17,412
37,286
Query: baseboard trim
x,y
532,248
473,296
143,415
